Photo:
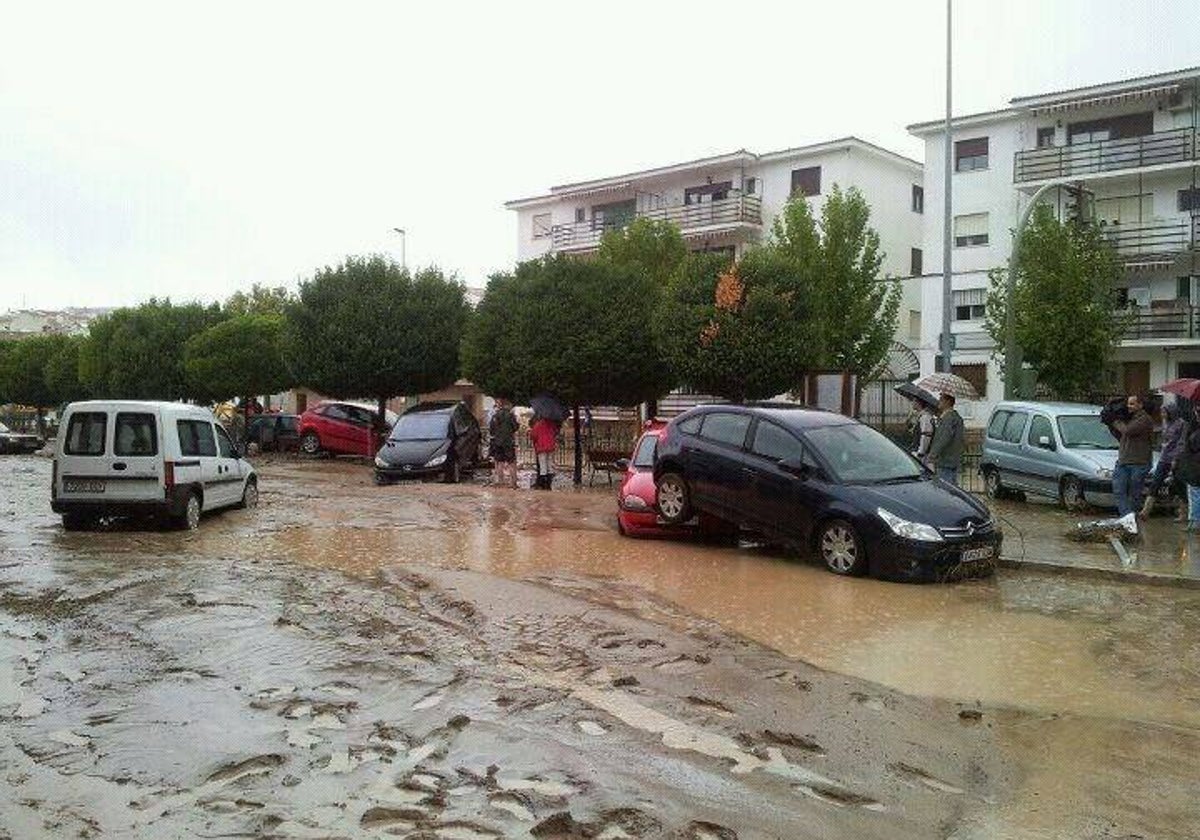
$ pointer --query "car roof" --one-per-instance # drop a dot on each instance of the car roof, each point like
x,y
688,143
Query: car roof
x,y
1055,408
793,415
138,405
433,407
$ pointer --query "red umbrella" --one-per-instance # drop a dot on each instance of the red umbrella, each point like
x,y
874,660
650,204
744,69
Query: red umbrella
x,y
1189,389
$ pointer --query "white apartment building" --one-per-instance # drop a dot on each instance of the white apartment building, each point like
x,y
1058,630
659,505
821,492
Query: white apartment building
x,y
730,201
1132,146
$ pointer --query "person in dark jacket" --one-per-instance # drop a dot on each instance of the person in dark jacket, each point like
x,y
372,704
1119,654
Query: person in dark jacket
x,y
1173,429
1133,455
1188,469
949,440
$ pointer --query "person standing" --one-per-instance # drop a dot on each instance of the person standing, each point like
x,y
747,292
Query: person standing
x,y
544,434
1173,429
926,424
949,440
1133,455
1187,469
502,443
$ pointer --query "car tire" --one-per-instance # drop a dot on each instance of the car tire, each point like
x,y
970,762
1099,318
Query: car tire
x,y
673,499
1071,493
77,522
841,549
381,480
249,495
453,472
621,528
189,520
993,486
310,443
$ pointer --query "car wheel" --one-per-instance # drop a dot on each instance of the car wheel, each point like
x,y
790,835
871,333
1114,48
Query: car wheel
x,y
673,500
993,486
77,522
381,480
453,472
1072,493
249,495
189,520
310,443
840,548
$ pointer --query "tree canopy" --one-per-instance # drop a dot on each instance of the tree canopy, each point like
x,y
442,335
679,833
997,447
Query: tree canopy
x,y
1064,303
368,328
651,247
260,300
238,357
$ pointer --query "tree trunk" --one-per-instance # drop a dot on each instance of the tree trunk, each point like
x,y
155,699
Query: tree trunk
x,y
578,447
41,422
651,409
245,421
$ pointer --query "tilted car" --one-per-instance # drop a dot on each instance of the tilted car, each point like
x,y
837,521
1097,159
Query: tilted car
x,y
343,428
272,432
823,482
430,439
18,443
130,458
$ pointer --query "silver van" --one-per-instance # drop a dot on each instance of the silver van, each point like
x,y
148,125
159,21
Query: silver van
x,y
1058,450
167,460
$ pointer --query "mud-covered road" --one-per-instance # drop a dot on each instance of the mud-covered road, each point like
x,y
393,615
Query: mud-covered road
x,y
461,662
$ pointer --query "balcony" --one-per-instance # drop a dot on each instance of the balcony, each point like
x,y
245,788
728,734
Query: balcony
x,y
1142,241
714,216
1178,321
1175,146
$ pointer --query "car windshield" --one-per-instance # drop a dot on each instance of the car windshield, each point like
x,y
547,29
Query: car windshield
x,y
421,427
644,456
858,454
1085,431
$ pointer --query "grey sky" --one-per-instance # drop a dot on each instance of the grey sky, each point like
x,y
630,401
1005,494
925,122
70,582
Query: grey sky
x,y
190,150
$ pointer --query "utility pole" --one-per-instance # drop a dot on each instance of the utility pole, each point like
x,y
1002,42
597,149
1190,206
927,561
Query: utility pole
x,y
947,216
1012,351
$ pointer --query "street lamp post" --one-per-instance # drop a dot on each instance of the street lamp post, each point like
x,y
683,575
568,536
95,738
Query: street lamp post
x,y
403,247
947,269
1012,350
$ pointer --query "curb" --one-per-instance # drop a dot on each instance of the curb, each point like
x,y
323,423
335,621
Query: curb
x,y
1136,576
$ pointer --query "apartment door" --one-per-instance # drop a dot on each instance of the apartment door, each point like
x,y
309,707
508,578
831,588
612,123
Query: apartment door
x,y
1136,377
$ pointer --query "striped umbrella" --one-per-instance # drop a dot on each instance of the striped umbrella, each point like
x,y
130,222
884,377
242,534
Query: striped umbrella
x,y
948,383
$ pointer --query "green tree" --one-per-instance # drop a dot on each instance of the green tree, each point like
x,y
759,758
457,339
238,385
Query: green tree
x,y
260,300
62,371
32,373
239,357
1064,303
137,353
646,246
577,329
838,261
368,328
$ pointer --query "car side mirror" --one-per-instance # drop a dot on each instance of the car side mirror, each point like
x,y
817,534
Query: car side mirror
x,y
1045,443
621,464
797,467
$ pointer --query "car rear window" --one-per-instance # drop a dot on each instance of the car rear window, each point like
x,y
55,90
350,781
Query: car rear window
x,y
996,426
289,424
646,449
85,433
196,438
136,435
722,427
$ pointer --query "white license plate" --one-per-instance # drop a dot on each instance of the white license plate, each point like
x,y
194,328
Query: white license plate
x,y
972,555
77,486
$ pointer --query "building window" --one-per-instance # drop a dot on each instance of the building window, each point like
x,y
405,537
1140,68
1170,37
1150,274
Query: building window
x,y
914,324
806,181
1189,200
975,374
916,262
1045,137
751,186
918,199
1183,288
1123,209
971,155
969,304
580,214
971,229
541,225
707,192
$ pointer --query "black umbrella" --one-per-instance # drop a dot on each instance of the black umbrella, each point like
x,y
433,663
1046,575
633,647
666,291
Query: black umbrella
x,y
915,392
549,407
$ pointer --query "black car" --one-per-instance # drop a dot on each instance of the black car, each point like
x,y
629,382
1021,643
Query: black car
x,y
430,439
274,432
826,483
17,443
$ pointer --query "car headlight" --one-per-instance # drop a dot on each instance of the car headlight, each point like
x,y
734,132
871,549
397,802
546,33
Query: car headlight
x,y
1104,473
436,461
909,530
379,462
634,502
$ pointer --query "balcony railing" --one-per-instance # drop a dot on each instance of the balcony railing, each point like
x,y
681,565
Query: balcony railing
x,y
1147,240
740,209
1180,321
1105,155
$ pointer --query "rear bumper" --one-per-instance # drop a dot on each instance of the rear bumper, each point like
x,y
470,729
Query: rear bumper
x,y
893,558
175,505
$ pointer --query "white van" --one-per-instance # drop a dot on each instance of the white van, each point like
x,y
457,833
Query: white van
x,y
126,458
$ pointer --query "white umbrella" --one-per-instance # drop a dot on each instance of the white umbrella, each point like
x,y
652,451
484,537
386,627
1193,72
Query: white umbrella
x,y
948,383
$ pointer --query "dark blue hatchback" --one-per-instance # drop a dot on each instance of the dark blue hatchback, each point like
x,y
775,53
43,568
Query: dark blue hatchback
x,y
826,483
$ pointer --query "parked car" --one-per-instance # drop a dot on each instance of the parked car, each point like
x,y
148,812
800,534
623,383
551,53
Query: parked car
x,y
342,428
434,438
1058,450
18,443
125,458
274,432
822,481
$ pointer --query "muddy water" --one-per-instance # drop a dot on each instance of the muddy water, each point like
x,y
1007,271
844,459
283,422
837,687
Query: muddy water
x,y
1048,645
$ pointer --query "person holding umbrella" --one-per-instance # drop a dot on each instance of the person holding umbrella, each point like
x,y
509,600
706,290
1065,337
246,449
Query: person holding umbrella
x,y
949,441
548,414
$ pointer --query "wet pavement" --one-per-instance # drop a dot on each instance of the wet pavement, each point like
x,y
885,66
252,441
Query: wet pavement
x,y
465,662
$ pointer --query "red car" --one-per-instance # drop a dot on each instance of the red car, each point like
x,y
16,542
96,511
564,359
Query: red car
x,y
637,512
342,428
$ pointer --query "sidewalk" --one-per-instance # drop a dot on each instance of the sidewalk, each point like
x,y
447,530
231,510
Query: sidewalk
x,y
1035,538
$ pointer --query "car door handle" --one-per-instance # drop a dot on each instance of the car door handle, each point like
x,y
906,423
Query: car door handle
x,y
119,465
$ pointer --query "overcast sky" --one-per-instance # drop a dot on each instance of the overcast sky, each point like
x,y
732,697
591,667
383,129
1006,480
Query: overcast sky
x,y
189,150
